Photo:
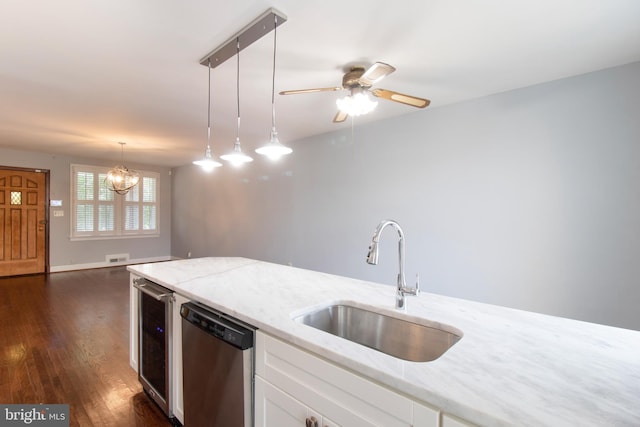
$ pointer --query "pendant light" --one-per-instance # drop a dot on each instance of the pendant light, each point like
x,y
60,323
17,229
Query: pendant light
x,y
208,163
274,149
119,178
237,157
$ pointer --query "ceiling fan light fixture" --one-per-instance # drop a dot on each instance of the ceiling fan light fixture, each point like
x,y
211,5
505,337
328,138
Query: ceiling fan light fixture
x,y
358,81
356,104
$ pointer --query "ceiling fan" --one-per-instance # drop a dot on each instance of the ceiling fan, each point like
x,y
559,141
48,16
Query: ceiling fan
x,y
359,81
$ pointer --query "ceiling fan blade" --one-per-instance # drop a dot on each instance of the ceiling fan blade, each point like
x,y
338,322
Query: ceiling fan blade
x,y
341,116
401,98
318,89
375,73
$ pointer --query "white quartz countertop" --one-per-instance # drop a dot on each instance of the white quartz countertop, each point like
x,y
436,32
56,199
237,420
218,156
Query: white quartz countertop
x,y
511,367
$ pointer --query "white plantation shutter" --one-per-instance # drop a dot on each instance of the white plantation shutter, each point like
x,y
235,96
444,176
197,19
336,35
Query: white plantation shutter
x,y
84,182
84,218
84,195
133,195
149,190
101,213
106,206
149,220
84,187
149,195
106,218
131,217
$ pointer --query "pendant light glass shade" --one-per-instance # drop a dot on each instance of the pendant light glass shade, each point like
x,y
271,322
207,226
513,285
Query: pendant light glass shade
x,y
208,163
236,157
274,149
119,178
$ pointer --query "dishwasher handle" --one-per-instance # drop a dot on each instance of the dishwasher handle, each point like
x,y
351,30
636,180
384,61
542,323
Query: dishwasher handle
x,y
151,289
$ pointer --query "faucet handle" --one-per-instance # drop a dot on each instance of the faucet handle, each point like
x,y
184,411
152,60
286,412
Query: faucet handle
x,y
417,283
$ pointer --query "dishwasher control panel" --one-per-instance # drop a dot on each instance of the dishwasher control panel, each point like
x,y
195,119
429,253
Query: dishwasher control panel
x,y
218,324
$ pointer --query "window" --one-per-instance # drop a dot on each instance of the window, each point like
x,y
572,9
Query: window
x,y
98,212
16,197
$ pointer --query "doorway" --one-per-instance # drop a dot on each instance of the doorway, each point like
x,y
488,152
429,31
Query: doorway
x,y
24,230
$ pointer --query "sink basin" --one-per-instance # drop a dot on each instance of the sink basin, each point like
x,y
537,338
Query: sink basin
x,y
405,339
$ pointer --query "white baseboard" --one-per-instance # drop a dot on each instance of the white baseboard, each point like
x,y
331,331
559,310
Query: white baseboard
x,y
102,264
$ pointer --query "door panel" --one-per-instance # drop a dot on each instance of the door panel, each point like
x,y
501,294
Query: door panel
x,y
23,198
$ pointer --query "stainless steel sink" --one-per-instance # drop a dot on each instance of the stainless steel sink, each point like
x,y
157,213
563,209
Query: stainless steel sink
x,y
401,338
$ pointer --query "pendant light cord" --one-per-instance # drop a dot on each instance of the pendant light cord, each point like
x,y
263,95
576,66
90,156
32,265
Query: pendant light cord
x,y
209,108
273,75
238,87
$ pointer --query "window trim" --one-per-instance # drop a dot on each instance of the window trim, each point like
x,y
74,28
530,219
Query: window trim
x,y
119,203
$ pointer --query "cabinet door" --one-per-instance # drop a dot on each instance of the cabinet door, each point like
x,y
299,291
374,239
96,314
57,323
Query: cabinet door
x,y
133,324
276,408
346,398
176,358
425,416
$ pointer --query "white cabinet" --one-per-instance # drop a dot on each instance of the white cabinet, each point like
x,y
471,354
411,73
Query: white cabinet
x,y
292,383
176,358
424,415
133,324
276,408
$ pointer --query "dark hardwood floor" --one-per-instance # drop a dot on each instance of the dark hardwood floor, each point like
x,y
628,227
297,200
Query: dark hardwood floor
x,y
64,339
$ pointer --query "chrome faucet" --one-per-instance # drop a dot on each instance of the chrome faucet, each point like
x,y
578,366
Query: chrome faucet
x,y
372,258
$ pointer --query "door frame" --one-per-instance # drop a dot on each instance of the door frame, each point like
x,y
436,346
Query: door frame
x,y
47,176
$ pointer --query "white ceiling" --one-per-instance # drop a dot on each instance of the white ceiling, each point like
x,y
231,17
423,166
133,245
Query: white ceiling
x,y
78,76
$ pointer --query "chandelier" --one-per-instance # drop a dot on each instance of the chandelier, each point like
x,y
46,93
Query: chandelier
x,y
119,178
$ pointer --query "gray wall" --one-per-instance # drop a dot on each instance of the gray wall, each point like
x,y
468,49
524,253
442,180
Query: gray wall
x,y
68,255
528,199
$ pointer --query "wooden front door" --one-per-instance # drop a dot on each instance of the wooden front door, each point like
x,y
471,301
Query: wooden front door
x,y
23,198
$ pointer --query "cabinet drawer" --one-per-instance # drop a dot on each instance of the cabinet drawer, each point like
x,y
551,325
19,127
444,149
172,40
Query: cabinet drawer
x,y
348,399
276,408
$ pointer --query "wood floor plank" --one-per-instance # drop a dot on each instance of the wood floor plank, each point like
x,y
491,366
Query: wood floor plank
x,y
64,339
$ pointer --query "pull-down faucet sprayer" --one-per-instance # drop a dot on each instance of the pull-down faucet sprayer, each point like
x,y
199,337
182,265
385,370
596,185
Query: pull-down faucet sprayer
x,y
372,258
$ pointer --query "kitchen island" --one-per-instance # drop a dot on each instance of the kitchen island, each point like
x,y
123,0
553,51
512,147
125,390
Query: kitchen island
x,y
511,367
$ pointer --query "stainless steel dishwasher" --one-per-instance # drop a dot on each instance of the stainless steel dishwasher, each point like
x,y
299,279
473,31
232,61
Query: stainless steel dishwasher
x,y
217,368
